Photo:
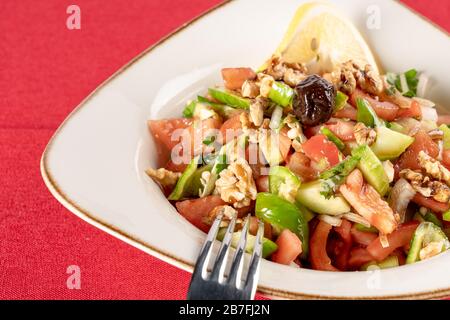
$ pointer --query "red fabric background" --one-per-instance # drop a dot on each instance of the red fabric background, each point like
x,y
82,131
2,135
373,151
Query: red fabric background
x,y
46,70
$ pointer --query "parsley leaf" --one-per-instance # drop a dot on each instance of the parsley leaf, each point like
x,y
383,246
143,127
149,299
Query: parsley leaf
x,y
334,177
412,80
209,140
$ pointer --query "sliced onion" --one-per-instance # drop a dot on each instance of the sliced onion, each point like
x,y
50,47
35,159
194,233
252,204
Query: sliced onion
x,y
275,121
353,217
335,221
422,85
410,125
384,241
404,83
400,196
425,102
429,113
389,169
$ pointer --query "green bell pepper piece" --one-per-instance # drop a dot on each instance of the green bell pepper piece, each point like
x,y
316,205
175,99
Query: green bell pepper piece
x,y
340,101
431,217
425,233
366,114
268,246
332,137
281,214
446,216
229,99
446,131
279,175
363,228
281,94
389,262
182,187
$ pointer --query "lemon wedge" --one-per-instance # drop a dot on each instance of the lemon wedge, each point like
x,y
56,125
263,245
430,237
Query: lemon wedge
x,y
321,37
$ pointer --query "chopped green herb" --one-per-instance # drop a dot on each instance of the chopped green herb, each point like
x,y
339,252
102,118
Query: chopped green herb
x,y
209,140
412,80
188,111
334,177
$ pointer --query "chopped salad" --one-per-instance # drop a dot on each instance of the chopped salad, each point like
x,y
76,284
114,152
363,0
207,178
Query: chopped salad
x,y
348,169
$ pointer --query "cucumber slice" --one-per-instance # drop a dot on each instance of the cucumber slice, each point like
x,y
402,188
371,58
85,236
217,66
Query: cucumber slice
x,y
229,98
425,233
281,214
372,169
389,262
182,187
309,195
281,94
279,175
390,144
268,246
223,110
396,127
308,214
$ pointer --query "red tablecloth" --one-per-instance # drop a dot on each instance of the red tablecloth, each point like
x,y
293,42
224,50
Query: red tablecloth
x,y
45,71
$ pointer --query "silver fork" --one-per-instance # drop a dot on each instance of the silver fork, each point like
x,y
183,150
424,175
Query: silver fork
x,y
215,285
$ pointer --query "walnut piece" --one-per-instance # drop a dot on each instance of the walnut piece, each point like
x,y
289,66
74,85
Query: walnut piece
x,y
425,186
265,84
163,176
257,111
434,168
249,89
363,134
236,185
226,211
348,75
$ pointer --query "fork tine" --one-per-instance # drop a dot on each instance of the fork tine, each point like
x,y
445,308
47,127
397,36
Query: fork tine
x,y
221,260
253,271
236,268
205,254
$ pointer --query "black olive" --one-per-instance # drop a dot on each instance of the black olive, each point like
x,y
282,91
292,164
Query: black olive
x,y
314,100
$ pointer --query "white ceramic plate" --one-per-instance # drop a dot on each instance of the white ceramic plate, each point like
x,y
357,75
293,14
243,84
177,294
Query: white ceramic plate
x,y
94,164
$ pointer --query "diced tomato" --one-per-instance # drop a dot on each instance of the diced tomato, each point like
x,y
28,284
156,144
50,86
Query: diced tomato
x,y
234,77
384,109
196,211
444,119
344,130
289,247
422,142
414,111
262,184
348,112
311,131
318,248
361,237
176,167
319,147
253,228
198,131
342,256
300,164
162,130
359,257
368,202
399,238
430,203
446,158
284,144
231,128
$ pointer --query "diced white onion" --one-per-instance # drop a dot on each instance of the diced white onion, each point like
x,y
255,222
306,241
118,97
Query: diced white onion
x,y
275,121
425,102
404,83
400,196
422,85
384,241
353,217
429,113
441,150
389,169
335,221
